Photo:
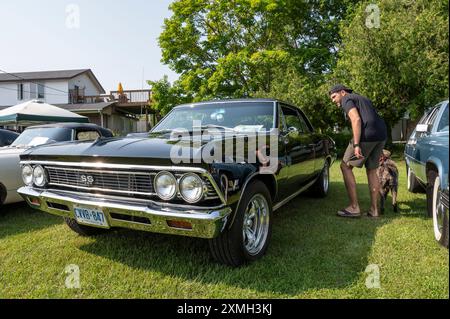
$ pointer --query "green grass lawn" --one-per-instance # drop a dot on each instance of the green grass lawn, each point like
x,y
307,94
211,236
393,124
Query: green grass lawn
x,y
313,254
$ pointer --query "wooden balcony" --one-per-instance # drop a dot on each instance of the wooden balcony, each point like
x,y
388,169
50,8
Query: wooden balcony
x,y
133,101
132,97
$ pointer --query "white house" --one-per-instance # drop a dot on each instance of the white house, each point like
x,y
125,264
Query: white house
x,y
78,91
53,87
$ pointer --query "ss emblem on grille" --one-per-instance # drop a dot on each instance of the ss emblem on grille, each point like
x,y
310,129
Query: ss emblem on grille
x,y
87,180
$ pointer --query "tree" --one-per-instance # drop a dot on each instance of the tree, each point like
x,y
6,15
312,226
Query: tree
x,y
165,95
234,48
402,65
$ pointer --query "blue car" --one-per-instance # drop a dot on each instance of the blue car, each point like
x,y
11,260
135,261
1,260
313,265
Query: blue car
x,y
426,156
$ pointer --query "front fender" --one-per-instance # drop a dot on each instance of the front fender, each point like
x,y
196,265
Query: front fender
x,y
240,176
442,170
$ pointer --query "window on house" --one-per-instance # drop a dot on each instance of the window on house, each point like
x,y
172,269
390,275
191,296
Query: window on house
x,y
20,91
41,91
33,91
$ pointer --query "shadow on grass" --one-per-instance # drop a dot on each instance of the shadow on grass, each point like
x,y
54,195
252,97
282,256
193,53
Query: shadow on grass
x,y
311,248
20,218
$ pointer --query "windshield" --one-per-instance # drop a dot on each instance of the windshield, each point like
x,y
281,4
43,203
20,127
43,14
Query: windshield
x,y
443,124
40,136
240,117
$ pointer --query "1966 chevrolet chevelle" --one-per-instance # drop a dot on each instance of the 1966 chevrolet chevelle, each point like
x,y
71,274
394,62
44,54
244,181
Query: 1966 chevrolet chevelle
x,y
182,178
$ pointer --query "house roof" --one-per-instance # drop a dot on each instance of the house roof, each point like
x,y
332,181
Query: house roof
x,y
49,75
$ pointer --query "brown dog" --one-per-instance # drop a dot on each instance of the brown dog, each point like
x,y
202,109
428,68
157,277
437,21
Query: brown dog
x,y
388,176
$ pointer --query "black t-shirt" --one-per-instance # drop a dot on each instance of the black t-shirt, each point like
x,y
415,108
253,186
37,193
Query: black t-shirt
x,y
373,127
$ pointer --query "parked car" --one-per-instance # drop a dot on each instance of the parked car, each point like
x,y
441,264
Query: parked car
x,y
7,137
134,182
426,155
10,171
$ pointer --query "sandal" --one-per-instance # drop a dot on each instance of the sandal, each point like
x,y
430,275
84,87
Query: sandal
x,y
369,214
346,213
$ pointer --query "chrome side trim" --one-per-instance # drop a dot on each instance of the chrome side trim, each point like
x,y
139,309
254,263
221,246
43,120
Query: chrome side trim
x,y
287,199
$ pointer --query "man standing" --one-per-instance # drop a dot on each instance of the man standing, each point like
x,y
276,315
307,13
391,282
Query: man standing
x,y
366,147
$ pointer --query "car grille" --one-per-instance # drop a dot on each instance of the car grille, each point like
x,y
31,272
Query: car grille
x,y
115,182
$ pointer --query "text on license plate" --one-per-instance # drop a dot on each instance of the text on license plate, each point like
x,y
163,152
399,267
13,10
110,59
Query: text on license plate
x,y
90,216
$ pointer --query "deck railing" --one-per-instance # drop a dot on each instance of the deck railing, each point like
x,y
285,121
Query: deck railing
x,y
127,97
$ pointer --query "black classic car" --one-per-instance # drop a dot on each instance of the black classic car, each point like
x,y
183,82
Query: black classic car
x,y
7,137
214,170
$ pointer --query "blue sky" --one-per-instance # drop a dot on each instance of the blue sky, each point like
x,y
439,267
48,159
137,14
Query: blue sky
x,y
116,39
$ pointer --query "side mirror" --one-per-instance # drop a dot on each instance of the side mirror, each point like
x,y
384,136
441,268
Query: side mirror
x,y
292,129
423,128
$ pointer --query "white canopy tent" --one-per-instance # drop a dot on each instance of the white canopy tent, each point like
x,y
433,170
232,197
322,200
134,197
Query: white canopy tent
x,y
37,112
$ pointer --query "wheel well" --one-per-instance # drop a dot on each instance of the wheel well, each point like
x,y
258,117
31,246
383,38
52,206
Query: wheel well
x,y
431,167
2,193
270,183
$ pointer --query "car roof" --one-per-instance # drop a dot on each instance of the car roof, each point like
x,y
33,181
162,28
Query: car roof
x,y
8,132
66,125
246,100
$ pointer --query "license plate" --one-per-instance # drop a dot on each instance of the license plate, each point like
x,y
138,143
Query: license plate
x,y
90,217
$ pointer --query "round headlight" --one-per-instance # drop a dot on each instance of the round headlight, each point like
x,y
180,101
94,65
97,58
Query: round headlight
x,y
165,185
191,188
39,178
27,175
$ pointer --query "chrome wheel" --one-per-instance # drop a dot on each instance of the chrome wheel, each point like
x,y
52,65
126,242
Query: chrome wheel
x,y
256,224
438,210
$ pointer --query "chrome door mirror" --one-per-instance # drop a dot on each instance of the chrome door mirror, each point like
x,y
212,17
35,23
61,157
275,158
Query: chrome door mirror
x,y
292,129
423,128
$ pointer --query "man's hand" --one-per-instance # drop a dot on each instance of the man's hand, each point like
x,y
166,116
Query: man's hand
x,y
358,152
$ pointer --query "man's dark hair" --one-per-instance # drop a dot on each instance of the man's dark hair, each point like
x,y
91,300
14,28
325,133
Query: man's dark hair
x,y
339,88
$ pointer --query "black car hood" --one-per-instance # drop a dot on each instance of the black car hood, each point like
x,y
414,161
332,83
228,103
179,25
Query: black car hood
x,y
151,150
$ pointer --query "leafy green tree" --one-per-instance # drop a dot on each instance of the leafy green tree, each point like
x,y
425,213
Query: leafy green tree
x,y
402,64
165,95
235,48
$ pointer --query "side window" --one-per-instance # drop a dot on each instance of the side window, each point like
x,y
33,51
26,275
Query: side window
x,y
87,135
292,119
10,139
443,123
304,122
426,118
429,119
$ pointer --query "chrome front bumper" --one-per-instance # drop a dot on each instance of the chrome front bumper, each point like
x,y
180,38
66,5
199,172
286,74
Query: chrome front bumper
x,y
205,223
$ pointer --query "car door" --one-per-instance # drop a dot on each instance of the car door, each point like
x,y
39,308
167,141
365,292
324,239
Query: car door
x,y
318,143
299,146
421,148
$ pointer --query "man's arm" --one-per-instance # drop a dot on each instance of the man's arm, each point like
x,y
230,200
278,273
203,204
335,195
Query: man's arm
x,y
356,128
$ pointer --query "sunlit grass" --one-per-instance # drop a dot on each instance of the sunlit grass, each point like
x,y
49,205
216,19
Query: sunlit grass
x,y
313,254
